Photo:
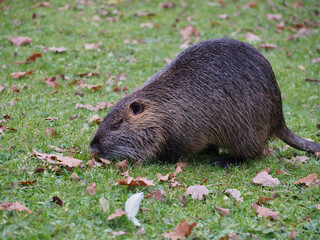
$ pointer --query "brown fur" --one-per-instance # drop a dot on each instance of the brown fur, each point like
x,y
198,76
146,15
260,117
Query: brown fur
x,y
218,93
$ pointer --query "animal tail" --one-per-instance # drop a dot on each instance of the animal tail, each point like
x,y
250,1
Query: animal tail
x,y
299,143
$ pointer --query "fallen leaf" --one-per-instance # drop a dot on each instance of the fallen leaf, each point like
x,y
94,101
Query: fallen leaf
x,y
56,50
104,203
182,199
132,207
315,60
20,40
230,236
235,193
157,195
174,183
146,25
51,132
280,171
266,212
51,82
95,119
167,5
223,16
3,86
162,178
292,234
181,231
317,206
268,46
262,200
222,211
119,233
250,37
51,119
141,231
31,58
188,31
197,191
302,159
6,206
302,68
92,188
121,165
265,179
276,17
57,159
14,88
139,181
66,7
90,46
279,27
312,80
308,179
74,176
118,213
57,200
28,183
18,75
43,4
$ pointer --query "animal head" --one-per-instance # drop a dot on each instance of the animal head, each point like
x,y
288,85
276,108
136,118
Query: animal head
x,y
132,129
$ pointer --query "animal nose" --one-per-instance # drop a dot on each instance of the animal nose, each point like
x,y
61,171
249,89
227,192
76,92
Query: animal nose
x,y
95,146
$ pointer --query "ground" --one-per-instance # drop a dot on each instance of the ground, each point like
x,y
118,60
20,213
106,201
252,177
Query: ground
x,y
133,40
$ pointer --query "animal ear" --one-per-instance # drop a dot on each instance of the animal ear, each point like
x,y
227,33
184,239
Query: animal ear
x,y
136,107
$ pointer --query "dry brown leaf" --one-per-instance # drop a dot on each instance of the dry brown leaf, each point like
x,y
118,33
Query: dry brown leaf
x,y
14,88
20,40
51,118
167,5
182,199
181,231
121,165
56,49
119,233
31,58
18,75
234,193
174,183
292,234
57,200
312,80
223,16
28,182
268,46
95,119
250,37
118,213
315,60
188,31
90,46
308,180
92,188
266,212
230,236
278,172
139,181
141,231
43,4
3,86
146,25
317,206
197,191
66,7
162,178
222,211
6,206
74,176
302,159
265,179
276,17
51,82
57,159
157,195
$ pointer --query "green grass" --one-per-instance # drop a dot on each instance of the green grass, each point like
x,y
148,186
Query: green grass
x,y
81,216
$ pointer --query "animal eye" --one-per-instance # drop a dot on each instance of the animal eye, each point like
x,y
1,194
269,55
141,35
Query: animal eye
x,y
116,125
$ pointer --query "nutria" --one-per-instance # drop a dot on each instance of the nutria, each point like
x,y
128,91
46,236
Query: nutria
x,y
218,93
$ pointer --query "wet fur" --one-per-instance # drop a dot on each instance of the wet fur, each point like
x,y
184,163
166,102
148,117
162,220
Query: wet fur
x,y
218,92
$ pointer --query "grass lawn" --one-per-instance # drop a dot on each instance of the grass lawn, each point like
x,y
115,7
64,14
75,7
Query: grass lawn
x,y
129,48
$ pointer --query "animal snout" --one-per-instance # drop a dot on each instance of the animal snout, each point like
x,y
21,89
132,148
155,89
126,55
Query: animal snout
x,y
95,146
